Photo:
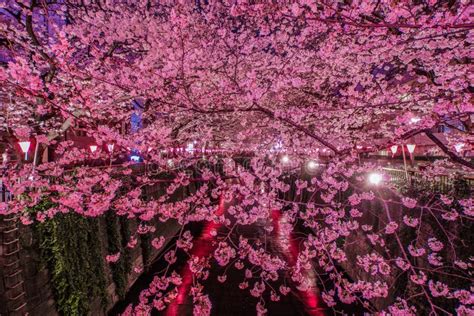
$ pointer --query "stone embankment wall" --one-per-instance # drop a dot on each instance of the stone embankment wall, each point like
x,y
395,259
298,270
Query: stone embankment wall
x,y
26,283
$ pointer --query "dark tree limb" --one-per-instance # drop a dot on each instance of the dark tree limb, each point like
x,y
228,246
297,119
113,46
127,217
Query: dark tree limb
x,y
448,152
299,127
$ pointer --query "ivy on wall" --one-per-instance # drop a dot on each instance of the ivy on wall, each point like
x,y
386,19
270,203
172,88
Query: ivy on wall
x,y
145,243
118,234
70,247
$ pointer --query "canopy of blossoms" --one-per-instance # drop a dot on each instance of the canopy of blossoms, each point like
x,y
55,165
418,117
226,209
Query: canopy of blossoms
x,y
260,90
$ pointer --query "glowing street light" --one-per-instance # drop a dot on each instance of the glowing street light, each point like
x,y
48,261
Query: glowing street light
x,y
285,159
375,178
312,165
25,146
93,148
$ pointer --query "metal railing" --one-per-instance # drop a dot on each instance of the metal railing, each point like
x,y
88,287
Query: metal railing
x,y
440,183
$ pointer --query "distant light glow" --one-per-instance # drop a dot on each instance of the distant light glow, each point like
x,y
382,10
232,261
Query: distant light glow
x,y
312,165
411,148
459,147
415,120
4,157
110,147
93,148
285,159
135,158
375,178
190,147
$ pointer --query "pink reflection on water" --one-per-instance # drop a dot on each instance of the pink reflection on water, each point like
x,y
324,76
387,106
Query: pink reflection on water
x,y
202,247
314,304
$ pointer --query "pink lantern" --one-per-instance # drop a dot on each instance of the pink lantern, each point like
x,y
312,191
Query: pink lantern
x,y
93,148
393,149
110,147
25,146
411,148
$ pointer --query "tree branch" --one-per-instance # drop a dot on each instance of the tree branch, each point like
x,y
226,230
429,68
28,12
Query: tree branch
x,y
446,150
299,127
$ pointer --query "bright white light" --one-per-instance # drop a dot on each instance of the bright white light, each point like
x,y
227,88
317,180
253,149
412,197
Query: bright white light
x,y
93,148
135,158
5,157
285,159
110,147
375,178
415,120
459,147
394,149
170,163
411,148
312,165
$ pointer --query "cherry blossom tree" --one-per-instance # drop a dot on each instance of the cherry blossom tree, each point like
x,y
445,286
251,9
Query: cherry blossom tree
x,y
308,81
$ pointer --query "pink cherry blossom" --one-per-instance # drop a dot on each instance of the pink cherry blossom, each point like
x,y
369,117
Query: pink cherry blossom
x,y
438,288
113,258
264,117
409,202
157,243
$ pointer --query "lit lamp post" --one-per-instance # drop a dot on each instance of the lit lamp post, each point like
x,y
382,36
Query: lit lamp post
x,y
25,146
375,178
110,148
411,150
4,158
405,162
